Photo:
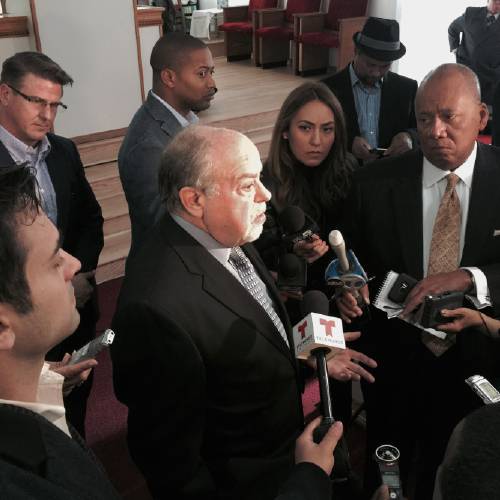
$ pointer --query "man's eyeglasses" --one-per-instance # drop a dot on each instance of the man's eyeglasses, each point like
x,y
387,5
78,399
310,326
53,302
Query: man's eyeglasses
x,y
38,101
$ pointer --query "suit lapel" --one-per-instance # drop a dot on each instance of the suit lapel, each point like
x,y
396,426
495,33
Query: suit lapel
x,y
349,106
484,203
407,206
5,158
386,100
63,194
168,123
225,288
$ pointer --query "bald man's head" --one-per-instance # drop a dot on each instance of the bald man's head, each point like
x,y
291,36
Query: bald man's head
x,y
450,115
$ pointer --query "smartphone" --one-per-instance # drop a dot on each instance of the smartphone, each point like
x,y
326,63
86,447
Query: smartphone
x,y
93,348
483,388
378,151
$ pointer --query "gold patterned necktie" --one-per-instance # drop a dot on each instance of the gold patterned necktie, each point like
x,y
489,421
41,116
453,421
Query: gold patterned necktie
x,y
445,251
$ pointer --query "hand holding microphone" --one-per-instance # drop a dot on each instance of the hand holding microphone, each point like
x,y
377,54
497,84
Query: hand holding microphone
x,y
300,234
348,276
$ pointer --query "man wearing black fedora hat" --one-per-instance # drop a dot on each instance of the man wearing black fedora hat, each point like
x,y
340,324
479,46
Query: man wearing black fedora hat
x,y
378,104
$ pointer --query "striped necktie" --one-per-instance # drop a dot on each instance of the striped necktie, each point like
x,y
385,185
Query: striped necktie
x,y
255,287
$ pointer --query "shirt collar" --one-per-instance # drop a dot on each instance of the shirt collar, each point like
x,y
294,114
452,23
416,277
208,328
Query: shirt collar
x,y
432,174
49,400
356,81
220,252
189,119
20,151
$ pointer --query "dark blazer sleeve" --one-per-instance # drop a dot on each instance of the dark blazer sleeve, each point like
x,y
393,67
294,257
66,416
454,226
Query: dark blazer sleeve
x,y
454,30
79,214
166,396
306,482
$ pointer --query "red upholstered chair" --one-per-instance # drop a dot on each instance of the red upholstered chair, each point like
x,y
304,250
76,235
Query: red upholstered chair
x,y
238,28
273,32
315,34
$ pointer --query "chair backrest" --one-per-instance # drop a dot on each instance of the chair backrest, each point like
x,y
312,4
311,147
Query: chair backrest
x,y
340,9
260,4
301,7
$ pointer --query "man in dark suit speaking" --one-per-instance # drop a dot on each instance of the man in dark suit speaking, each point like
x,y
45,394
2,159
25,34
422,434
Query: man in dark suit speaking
x,y
435,215
204,355
378,104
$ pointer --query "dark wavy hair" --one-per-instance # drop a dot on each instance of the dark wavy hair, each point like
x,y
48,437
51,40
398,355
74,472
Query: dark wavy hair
x,y
330,180
18,205
16,67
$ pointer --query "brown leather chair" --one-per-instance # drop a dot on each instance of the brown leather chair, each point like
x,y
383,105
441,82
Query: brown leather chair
x,y
315,34
238,28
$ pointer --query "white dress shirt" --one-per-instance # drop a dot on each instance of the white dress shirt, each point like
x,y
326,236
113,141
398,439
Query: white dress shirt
x,y
49,400
190,119
434,184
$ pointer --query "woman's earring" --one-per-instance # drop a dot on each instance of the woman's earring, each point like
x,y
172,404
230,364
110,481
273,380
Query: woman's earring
x,y
285,136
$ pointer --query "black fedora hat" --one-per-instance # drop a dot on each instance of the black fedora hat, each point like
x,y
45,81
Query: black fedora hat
x,y
380,39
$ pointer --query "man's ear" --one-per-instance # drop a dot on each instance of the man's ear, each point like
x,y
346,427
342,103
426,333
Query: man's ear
x,y
484,113
193,201
5,93
168,77
7,335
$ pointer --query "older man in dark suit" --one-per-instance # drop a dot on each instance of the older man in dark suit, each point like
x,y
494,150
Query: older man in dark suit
x,y
435,215
182,85
378,104
475,39
204,356
30,96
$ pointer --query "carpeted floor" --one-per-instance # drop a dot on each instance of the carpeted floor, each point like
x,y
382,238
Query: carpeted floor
x,y
106,417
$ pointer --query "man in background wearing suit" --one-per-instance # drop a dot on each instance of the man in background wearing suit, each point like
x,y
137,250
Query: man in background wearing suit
x,y
183,84
474,37
204,357
31,89
435,215
378,104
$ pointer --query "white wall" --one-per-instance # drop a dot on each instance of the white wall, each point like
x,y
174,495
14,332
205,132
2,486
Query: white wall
x,y
384,8
424,30
149,36
101,56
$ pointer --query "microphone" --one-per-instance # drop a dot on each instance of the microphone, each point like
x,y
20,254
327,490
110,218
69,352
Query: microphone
x,y
316,335
345,272
296,225
292,273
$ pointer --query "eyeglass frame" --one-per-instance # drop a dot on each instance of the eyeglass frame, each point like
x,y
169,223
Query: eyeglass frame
x,y
39,100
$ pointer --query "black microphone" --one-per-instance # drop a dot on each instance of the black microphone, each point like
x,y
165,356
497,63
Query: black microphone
x,y
292,273
316,340
296,225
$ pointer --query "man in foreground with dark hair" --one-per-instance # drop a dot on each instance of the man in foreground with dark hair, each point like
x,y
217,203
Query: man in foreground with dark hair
x,y
40,455
183,84
378,104
31,89
470,467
